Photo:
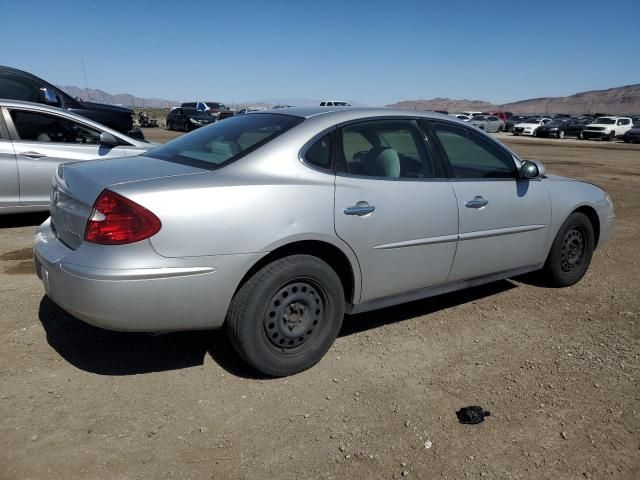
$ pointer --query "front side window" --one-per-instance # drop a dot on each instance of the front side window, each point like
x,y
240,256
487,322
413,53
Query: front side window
x,y
222,142
43,127
471,155
624,121
387,149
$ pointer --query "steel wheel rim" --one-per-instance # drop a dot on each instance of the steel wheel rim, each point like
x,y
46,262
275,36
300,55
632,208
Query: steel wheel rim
x,y
573,249
294,315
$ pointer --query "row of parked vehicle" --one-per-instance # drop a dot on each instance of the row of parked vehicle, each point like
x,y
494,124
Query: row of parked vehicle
x,y
599,126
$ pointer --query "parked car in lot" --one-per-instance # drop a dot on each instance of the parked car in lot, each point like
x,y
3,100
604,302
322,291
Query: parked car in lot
x,y
187,119
607,128
561,127
513,121
471,114
460,116
529,126
211,108
334,103
35,139
247,110
488,123
19,85
332,212
503,116
633,134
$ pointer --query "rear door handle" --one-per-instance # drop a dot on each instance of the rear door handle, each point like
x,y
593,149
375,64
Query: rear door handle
x,y
477,202
362,208
32,154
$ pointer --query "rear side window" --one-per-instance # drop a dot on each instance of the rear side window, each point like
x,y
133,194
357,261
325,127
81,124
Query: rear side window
x,y
386,149
319,154
471,155
220,143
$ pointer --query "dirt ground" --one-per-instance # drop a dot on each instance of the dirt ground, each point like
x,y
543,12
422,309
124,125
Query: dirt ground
x,y
559,369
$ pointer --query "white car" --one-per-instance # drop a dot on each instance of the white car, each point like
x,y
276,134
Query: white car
x,y
529,126
460,116
608,128
471,114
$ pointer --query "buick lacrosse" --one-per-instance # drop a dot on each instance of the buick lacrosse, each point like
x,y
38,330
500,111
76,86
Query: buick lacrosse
x,y
276,224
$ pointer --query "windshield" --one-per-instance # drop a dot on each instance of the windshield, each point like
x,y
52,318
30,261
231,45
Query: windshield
x,y
532,120
222,142
605,121
556,123
479,117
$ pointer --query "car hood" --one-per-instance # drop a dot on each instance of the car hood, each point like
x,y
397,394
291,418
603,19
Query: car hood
x,y
106,108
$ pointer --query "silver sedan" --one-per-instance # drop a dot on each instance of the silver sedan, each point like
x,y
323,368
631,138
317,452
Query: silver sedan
x,y
275,224
35,139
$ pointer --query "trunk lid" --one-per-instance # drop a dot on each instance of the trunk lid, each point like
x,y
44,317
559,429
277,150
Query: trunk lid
x,y
77,185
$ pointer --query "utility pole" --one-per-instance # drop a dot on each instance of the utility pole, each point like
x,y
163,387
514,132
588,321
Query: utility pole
x,y
84,72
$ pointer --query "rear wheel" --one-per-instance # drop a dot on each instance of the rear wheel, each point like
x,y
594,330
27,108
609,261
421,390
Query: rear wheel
x,y
169,125
571,251
185,127
580,135
287,315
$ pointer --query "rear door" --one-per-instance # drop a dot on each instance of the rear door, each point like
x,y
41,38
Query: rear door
x,y
394,207
42,141
504,220
9,182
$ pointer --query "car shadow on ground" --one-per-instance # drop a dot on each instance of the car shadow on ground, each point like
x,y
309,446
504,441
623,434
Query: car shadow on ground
x,y
23,219
117,353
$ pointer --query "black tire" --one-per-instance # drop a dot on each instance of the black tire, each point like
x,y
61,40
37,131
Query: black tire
x,y
612,136
500,129
580,135
287,315
185,127
560,134
571,251
169,125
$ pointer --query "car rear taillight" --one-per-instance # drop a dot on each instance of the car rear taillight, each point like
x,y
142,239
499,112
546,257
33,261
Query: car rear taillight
x,y
116,220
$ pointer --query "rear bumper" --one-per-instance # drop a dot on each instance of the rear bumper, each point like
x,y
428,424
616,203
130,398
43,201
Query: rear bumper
x,y
174,294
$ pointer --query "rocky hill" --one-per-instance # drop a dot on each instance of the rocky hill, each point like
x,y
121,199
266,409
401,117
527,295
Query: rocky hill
x,y
613,100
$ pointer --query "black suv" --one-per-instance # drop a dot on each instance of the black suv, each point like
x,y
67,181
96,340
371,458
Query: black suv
x,y
19,85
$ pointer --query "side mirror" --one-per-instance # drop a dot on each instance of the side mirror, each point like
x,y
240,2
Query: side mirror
x,y
48,97
108,139
531,169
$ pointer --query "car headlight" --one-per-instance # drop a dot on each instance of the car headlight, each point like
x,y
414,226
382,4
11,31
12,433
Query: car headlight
x,y
553,129
193,120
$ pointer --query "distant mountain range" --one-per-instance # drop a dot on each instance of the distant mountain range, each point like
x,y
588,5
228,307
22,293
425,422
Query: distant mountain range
x,y
614,100
123,99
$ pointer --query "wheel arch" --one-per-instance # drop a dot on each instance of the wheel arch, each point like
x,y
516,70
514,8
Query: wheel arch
x,y
592,215
343,263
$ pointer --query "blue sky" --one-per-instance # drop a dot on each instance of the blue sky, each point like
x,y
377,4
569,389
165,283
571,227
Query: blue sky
x,y
373,51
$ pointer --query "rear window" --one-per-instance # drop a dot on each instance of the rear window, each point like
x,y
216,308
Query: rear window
x,y
221,143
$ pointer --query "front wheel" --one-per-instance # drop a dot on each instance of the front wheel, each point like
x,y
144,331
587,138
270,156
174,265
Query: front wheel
x,y
169,125
287,315
612,136
561,134
580,135
571,251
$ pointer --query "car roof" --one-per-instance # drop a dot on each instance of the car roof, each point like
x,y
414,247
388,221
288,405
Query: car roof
x,y
341,114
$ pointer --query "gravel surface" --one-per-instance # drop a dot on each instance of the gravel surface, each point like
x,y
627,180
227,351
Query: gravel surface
x,y
557,368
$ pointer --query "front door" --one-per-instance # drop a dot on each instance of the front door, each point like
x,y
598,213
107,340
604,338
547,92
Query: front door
x,y
43,142
394,207
504,220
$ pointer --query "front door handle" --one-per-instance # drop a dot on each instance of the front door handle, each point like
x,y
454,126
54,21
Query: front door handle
x,y
32,154
362,208
477,202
